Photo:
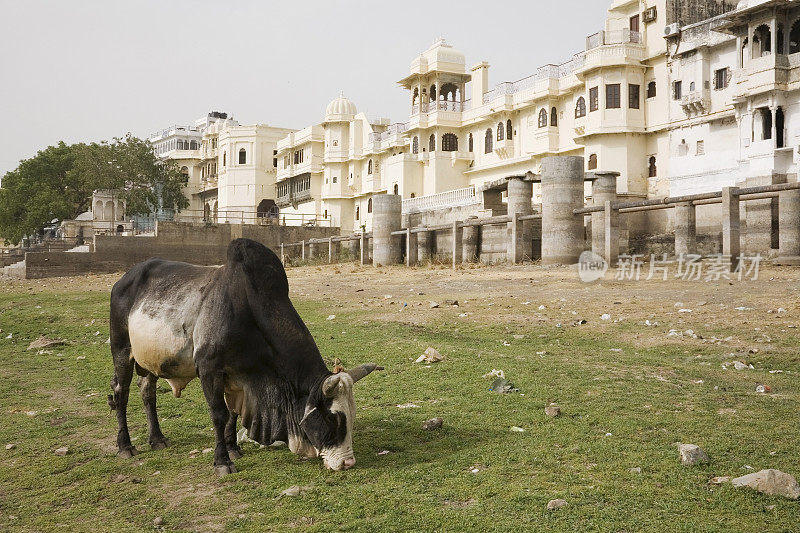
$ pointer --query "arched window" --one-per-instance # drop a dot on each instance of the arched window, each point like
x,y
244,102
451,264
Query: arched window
x,y
580,108
471,143
395,189
433,93
449,142
500,130
224,159
554,117
369,205
592,162
413,195
415,145
762,41
358,213
543,118
794,38
448,92
242,156
509,130
652,171
651,89
432,143
415,98
692,87
369,167
487,143
185,171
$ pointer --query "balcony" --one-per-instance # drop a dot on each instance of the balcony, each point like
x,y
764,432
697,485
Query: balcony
x,y
696,102
764,74
612,48
504,149
431,202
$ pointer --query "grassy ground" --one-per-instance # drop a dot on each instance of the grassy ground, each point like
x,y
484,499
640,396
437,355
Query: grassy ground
x,y
625,400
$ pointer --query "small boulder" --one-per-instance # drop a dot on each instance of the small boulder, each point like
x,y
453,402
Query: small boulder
x,y
10,446
61,452
770,482
44,342
552,411
554,505
158,521
433,423
691,455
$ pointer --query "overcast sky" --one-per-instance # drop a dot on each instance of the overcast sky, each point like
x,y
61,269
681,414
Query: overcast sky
x,y
86,70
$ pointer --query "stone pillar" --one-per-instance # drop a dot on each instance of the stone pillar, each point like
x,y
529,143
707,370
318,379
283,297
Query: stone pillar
x,y
731,245
303,250
283,257
353,247
562,192
470,245
386,218
604,189
516,234
610,234
520,195
312,249
424,246
412,251
685,228
458,242
333,250
789,227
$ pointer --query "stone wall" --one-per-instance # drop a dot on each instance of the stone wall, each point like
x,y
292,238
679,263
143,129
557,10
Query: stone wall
x,y
687,12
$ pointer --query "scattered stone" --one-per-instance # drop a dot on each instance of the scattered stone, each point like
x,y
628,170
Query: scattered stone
x,y
330,317
691,455
434,305
384,452
519,337
517,429
604,316
44,342
296,490
433,423
770,482
408,405
763,389
10,446
720,480
208,450
431,355
554,505
552,411
579,322
61,452
636,470
453,303
158,521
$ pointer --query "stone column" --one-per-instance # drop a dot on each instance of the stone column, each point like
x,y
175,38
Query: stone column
x,y
283,257
362,249
520,194
789,227
333,250
610,234
412,251
386,218
731,245
470,247
516,234
312,249
424,245
562,192
685,228
604,189
303,250
352,248
458,242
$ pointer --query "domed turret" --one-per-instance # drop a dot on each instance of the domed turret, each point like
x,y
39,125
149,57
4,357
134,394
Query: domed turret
x,y
339,110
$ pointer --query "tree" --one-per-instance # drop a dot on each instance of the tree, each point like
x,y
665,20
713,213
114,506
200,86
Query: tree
x,y
58,182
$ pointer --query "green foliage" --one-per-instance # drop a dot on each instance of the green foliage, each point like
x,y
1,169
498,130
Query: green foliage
x,y
58,182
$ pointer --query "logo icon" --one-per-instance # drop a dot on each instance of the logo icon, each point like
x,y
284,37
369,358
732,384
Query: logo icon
x,y
591,266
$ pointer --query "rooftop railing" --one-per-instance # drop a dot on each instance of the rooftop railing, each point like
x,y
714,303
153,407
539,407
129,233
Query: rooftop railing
x,y
454,198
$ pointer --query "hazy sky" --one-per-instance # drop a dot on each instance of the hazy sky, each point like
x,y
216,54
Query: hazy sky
x,y
85,70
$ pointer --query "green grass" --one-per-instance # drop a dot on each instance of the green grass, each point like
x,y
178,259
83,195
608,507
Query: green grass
x,y
645,398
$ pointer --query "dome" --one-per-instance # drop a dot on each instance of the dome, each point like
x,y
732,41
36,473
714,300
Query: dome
x,y
87,215
340,109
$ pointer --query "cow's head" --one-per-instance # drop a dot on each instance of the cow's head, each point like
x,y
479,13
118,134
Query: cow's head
x,y
328,419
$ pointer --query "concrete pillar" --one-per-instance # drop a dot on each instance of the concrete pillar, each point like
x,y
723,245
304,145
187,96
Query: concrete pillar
x,y
731,242
312,249
283,257
458,243
562,192
362,249
789,227
303,250
386,218
520,194
685,215
353,248
424,246
333,250
610,234
604,189
470,246
516,234
412,250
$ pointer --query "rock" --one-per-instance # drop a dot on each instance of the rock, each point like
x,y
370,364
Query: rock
x,y
296,490
431,355
208,450
44,342
552,411
770,482
720,480
433,423
61,452
605,316
636,470
434,305
10,446
691,455
453,303
738,365
554,505
517,429
158,521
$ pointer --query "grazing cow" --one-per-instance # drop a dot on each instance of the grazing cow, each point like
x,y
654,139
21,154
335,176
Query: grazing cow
x,y
234,327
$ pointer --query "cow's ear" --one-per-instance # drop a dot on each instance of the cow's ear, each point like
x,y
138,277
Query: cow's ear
x,y
331,385
363,370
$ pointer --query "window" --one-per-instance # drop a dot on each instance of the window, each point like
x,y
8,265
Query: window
x,y
224,159
580,107
542,118
395,189
634,23
794,38
651,89
488,141
369,167
701,148
613,96
358,213
415,145
335,179
766,123
449,142
500,131
594,100
592,162
471,143
651,167
633,96
509,130
553,117
242,156
369,205
677,90
413,195
721,78
275,159
432,143
762,41
691,87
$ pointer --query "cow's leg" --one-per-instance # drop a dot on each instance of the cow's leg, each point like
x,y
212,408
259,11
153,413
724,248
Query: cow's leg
x,y
234,451
213,382
120,385
147,386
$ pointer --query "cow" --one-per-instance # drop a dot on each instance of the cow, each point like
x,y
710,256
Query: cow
x,y
235,328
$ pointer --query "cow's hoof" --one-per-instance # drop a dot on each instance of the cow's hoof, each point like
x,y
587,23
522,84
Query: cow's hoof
x,y
159,444
235,454
224,470
127,453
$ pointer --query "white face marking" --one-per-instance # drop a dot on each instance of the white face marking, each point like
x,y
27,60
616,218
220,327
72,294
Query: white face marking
x,y
344,403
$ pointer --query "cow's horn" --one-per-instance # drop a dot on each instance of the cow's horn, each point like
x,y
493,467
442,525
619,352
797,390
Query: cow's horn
x,y
362,370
